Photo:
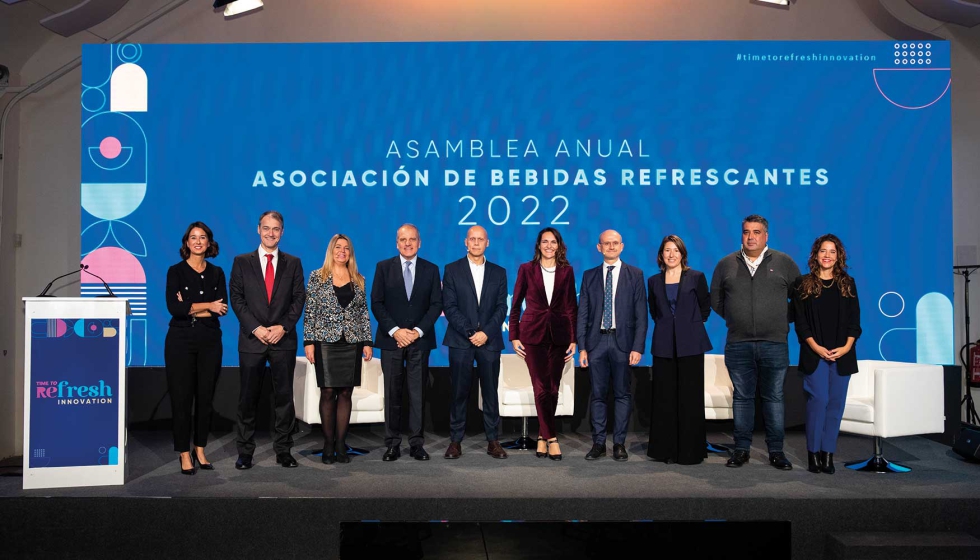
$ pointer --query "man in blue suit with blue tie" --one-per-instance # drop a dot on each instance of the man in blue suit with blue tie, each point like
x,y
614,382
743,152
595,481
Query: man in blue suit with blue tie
x,y
474,295
611,331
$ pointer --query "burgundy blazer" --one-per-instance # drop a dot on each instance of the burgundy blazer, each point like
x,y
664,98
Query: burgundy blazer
x,y
541,319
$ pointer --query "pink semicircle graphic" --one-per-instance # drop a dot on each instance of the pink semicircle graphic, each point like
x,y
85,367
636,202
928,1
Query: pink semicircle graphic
x,y
943,85
116,265
61,328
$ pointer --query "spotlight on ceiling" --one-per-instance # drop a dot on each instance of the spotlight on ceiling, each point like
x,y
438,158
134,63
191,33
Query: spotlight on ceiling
x,y
237,7
772,2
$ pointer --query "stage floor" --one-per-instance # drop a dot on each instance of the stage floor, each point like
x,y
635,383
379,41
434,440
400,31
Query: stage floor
x,y
768,511
937,472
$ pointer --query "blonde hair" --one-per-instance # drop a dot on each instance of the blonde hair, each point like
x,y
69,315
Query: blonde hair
x,y
328,262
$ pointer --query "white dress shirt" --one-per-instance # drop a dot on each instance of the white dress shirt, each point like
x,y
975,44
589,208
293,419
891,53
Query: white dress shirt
x,y
414,261
753,265
617,267
478,271
275,259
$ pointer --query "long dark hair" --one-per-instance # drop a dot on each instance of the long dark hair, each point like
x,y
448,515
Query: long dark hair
x,y
212,251
812,285
560,255
680,247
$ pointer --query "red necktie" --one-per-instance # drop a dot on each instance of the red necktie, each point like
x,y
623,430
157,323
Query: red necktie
x,y
270,276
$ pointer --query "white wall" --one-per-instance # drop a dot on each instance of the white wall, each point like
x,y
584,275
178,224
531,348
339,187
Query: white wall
x,y
43,183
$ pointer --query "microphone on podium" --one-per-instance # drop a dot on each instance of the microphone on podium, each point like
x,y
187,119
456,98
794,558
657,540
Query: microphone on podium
x,y
107,288
44,292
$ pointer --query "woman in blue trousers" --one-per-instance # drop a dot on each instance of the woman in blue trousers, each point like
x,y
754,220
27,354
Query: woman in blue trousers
x,y
828,322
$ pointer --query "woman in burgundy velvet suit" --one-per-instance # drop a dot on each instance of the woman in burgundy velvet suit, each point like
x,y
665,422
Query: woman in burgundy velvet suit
x,y
545,336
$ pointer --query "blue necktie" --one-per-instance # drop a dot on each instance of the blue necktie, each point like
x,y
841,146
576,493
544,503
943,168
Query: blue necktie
x,y
607,300
408,279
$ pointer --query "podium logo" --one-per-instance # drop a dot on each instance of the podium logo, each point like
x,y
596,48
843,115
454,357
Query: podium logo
x,y
68,394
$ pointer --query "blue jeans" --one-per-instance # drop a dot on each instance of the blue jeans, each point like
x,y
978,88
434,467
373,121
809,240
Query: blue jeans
x,y
764,364
826,392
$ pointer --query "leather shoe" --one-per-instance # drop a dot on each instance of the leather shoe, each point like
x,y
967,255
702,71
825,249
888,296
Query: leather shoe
x,y
286,460
619,452
738,459
597,452
813,462
392,454
780,461
418,453
328,457
454,451
244,462
495,450
827,463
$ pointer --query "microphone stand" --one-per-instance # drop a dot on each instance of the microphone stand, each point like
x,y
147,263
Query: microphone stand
x,y
44,292
104,284
971,409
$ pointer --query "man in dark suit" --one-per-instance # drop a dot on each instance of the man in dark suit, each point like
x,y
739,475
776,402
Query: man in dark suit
x,y
611,330
474,293
406,299
267,293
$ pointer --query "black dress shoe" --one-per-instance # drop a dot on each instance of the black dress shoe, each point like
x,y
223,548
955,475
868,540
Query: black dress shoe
x,y
392,454
780,461
418,453
286,460
827,463
329,457
244,462
597,452
619,452
341,454
738,459
813,462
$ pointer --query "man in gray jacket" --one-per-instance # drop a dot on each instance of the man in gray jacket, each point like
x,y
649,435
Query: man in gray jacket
x,y
751,289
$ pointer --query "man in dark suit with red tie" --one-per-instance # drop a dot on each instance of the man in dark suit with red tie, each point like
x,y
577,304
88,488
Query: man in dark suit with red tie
x,y
611,330
267,294
406,299
474,291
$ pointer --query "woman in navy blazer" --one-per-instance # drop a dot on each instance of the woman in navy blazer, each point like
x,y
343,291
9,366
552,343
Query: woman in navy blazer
x,y
679,306
545,335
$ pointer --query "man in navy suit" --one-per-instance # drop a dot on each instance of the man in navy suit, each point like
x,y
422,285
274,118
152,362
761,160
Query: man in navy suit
x,y
267,291
406,299
474,295
611,330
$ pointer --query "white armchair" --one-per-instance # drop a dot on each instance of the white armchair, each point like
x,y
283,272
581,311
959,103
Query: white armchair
x,y
367,400
719,395
515,396
891,399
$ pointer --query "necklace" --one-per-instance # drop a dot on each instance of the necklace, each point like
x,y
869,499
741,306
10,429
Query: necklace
x,y
832,280
549,271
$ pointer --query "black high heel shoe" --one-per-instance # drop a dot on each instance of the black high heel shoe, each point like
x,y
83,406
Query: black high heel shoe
x,y
556,456
189,471
540,454
341,455
204,466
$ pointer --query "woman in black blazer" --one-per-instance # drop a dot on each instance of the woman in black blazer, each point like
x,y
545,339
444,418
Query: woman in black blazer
x,y
337,333
679,306
828,322
196,297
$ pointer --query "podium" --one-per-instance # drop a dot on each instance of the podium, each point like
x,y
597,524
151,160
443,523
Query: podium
x,y
74,392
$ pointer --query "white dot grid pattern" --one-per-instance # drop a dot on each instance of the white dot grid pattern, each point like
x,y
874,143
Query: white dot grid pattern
x,y
913,54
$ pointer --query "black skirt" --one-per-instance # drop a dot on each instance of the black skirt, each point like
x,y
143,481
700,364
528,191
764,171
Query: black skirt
x,y
337,364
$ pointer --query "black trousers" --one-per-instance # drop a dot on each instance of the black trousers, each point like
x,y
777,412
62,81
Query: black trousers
x,y
193,360
252,371
461,379
400,367
677,418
